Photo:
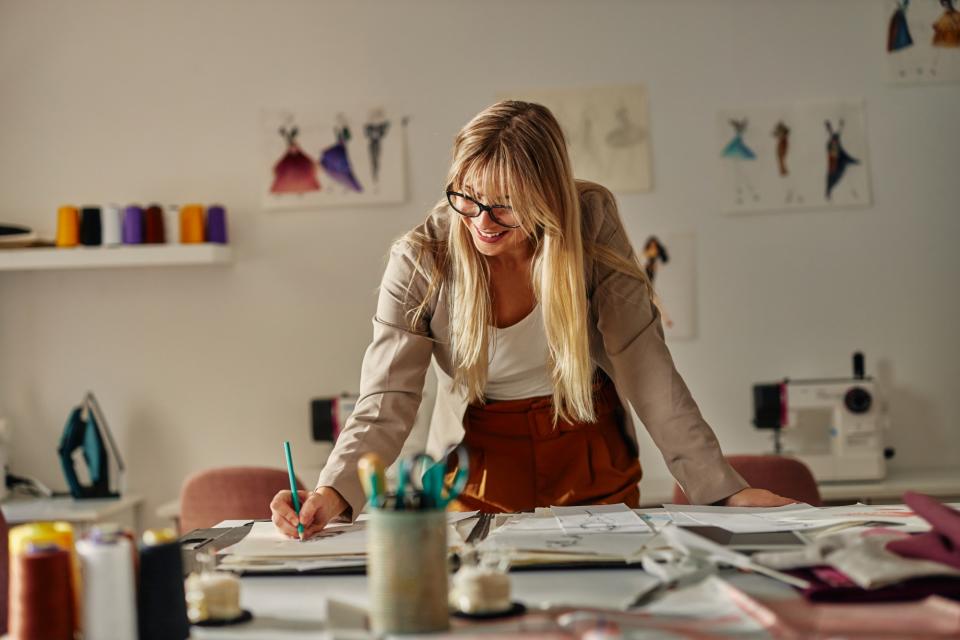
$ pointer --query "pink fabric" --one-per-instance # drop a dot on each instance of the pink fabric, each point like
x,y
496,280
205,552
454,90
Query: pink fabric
x,y
942,543
784,476
4,573
229,493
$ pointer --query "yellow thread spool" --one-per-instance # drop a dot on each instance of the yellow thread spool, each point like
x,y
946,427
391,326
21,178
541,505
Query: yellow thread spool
x,y
68,226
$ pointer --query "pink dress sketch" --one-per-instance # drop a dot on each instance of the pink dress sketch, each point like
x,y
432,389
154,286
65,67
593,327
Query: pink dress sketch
x,y
738,152
837,157
295,172
336,162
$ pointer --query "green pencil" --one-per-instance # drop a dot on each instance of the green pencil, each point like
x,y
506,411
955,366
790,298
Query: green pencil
x,y
293,486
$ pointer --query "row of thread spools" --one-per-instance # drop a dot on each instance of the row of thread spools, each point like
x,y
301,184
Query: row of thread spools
x,y
104,586
113,225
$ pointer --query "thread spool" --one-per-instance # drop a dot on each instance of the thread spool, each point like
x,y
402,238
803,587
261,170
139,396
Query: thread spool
x,y
41,594
171,223
133,225
59,534
217,224
162,605
109,592
91,227
153,229
191,224
68,226
112,222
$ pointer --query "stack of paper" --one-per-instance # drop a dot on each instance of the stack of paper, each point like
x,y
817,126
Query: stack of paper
x,y
794,517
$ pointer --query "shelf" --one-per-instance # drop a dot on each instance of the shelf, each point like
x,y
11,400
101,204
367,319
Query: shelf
x,y
160,255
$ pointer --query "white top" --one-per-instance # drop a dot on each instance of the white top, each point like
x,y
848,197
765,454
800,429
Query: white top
x,y
519,360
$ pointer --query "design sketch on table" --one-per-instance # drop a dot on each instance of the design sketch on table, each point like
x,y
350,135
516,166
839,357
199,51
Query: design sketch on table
x,y
375,130
655,253
598,521
565,542
837,158
336,161
295,172
738,152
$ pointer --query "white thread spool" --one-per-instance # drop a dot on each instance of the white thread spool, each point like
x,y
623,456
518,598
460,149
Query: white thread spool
x,y
171,222
111,224
109,595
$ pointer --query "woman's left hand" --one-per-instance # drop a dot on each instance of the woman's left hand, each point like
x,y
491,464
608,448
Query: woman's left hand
x,y
751,497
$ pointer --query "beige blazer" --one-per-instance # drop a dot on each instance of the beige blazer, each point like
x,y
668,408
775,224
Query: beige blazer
x,y
626,342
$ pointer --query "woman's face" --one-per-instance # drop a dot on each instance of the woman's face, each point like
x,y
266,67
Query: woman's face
x,y
493,239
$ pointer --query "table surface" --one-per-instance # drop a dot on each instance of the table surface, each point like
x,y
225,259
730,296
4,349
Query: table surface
x,y
18,509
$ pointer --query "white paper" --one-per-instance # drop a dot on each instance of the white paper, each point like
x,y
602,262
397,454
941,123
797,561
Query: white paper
x,y
743,519
602,518
264,541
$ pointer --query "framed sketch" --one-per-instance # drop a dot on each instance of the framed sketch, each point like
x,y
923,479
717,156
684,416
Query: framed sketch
x,y
922,39
607,132
793,157
315,158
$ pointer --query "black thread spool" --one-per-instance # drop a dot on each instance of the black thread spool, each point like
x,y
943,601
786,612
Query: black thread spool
x,y
91,227
162,604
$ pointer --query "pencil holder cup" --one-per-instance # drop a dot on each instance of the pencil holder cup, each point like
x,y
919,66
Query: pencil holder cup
x,y
407,571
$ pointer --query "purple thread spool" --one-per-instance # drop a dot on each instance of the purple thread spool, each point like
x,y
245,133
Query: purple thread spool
x,y
133,225
217,224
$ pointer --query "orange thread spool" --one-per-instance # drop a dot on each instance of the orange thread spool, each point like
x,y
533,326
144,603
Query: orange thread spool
x,y
191,224
68,226
41,595
59,534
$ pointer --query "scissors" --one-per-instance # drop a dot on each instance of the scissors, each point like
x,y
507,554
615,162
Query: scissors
x,y
427,477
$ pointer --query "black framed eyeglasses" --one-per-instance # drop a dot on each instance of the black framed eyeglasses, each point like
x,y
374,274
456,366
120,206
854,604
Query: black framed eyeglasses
x,y
469,207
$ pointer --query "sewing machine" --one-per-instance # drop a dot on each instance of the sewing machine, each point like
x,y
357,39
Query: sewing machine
x,y
832,425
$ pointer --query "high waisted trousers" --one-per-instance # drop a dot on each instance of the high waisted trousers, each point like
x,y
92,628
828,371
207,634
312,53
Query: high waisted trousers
x,y
520,459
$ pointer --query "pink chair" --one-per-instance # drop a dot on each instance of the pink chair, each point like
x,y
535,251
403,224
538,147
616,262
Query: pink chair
x,y
784,476
229,493
4,573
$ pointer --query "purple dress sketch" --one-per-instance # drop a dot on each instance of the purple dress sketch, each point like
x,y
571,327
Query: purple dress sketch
x,y
375,132
738,152
898,34
295,171
336,162
837,157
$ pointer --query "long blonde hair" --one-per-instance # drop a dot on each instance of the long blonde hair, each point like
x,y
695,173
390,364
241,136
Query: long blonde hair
x,y
517,149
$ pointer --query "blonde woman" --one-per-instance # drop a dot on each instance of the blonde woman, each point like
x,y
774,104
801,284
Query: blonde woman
x,y
524,291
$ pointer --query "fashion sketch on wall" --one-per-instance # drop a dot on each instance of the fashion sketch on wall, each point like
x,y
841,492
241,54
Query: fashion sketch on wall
x,y
793,157
922,39
607,132
669,259
316,158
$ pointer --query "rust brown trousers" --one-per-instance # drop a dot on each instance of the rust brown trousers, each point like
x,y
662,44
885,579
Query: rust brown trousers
x,y
520,460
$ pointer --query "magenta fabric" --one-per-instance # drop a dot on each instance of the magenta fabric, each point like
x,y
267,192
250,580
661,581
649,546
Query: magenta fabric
x,y
942,543
229,493
784,476
4,573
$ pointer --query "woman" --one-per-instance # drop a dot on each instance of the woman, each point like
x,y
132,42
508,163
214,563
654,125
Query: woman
x,y
524,289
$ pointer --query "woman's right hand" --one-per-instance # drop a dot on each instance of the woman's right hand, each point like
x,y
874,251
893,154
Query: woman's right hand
x,y
317,508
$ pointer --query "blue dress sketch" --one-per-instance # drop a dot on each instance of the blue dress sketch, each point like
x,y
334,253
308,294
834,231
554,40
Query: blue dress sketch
x,y
837,157
336,162
898,34
738,152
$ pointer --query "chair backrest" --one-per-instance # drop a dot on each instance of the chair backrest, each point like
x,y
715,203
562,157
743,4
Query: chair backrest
x,y
784,476
229,493
4,573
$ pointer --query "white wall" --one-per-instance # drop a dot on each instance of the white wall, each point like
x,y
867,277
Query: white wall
x,y
196,367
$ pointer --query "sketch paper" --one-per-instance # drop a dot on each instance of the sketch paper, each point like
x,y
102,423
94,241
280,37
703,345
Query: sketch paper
x,y
333,156
740,519
922,39
607,132
264,541
793,157
601,518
